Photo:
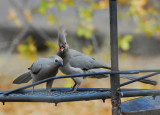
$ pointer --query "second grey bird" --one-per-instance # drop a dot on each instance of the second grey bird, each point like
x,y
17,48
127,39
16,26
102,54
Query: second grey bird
x,y
41,69
75,62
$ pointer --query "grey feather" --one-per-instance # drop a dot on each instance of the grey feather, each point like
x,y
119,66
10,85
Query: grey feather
x,y
24,78
61,35
41,69
97,76
36,66
83,61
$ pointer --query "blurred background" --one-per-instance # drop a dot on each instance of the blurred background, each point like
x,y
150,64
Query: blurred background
x,y
28,30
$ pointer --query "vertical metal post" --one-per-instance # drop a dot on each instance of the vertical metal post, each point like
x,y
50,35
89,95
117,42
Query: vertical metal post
x,y
115,80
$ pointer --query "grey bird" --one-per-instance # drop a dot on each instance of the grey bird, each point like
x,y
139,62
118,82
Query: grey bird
x,y
41,69
75,62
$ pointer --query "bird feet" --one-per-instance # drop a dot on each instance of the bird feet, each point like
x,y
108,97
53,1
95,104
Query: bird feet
x,y
32,92
73,90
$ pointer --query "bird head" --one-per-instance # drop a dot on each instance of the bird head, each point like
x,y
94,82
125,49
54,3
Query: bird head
x,y
58,61
63,46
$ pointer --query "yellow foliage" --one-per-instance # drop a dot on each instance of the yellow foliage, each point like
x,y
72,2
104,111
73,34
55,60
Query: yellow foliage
x,y
68,82
51,20
139,6
123,2
12,14
53,46
18,22
87,50
69,2
103,4
85,13
124,42
157,29
85,29
28,15
28,50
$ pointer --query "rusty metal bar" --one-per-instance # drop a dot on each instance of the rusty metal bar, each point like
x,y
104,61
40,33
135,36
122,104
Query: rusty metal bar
x,y
115,80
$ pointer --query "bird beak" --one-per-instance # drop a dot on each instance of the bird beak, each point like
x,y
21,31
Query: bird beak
x,y
61,63
61,47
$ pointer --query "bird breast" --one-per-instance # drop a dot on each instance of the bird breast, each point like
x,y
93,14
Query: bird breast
x,y
67,69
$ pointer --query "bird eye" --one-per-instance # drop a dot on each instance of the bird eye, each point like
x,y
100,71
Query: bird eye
x,y
65,43
56,60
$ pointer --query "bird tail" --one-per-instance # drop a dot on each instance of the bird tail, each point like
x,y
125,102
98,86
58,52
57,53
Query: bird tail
x,y
104,66
107,67
125,76
146,81
24,78
95,71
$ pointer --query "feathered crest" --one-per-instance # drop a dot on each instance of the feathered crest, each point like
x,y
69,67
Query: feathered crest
x,y
62,34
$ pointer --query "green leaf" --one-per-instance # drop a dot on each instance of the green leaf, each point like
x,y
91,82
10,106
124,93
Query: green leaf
x,y
68,82
50,19
80,31
157,28
148,32
50,4
124,42
62,6
43,7
94,5
88,33
85,13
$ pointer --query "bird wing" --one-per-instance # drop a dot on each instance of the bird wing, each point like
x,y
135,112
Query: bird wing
x,y
86,62
95,71
36,66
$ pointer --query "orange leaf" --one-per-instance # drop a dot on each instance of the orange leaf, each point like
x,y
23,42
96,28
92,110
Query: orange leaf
x,y
12,14
28,15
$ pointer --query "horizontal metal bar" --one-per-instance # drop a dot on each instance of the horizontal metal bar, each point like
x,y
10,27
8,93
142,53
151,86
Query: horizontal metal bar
x,y
140,78
69,89
150,70
145,92
71,76
58,95
52,99
83,94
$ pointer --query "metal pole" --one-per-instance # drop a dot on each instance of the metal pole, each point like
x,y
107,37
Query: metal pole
x,y
115,80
